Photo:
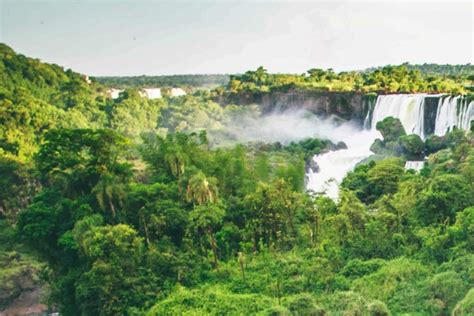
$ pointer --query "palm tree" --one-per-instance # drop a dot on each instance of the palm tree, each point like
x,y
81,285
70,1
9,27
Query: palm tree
x,y
202,192
200,189
109,191
175,160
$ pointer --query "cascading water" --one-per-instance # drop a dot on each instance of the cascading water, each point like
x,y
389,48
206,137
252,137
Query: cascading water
x,y
453,111
410,110
334,165
152,93
414,165
177,92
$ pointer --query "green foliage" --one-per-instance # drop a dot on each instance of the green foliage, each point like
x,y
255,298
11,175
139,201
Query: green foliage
x,y
115,255
442,198
403,78
398,283
413,147
166,223
433,144
211,301
391,129
447,287
304,304
466,305
371,181
131,114
191,114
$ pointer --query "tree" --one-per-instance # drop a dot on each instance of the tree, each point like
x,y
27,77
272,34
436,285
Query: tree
x,y
77,159
391,129
383,178
413,146
113,282
203,218
442,198
200,189
110,191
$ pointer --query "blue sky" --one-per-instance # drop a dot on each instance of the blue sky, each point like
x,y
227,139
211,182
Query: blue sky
x,y
157,37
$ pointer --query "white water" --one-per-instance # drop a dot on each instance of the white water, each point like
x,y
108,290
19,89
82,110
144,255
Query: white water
x,y
409,108
414,165
177,92
114,93
451,112
152,93
334,165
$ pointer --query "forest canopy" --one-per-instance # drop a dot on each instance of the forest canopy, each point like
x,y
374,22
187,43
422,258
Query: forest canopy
x,y
130,206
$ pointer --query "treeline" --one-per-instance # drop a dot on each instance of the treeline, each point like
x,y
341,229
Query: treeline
x,y
388,79
204,80
462,70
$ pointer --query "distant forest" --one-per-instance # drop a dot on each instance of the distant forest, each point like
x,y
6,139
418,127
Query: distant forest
x,y
213,80
206,80
437,69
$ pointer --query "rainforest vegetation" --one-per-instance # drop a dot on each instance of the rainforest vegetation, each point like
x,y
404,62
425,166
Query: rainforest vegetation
x,y
402,78
129,207
388,79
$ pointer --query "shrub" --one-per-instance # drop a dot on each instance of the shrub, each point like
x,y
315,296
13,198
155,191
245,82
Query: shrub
x,y
412,146
304,304
378,308
466,305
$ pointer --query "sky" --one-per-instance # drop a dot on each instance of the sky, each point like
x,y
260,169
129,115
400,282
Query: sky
x,y
144,37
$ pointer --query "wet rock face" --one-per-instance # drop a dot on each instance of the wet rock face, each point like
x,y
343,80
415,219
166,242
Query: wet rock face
x,y
20,289
431,105
312,165
346,105
341,145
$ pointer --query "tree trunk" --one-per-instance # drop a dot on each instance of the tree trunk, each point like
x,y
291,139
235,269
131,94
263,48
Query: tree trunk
x,y
213,245
241,259
292,226
275,228
145,227
112,210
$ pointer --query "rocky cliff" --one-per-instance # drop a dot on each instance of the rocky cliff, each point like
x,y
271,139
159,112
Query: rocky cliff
x,y
345,105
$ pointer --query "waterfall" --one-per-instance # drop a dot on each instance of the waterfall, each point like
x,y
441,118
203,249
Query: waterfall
x,y
114,93
453,111
334,165
177,92
408,108
368,105
152,93
414,165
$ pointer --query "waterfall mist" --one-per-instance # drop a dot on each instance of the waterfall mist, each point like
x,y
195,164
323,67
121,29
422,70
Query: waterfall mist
x,y
286,127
